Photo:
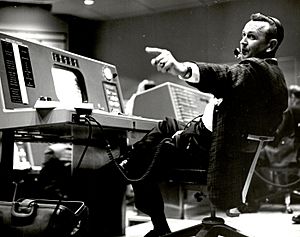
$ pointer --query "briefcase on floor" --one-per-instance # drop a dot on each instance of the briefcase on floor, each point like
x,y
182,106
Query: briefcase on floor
x,y
43,218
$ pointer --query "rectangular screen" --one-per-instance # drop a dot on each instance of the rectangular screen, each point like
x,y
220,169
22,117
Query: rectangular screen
x,y
66,87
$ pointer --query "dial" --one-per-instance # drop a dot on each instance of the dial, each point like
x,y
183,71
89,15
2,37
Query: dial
x,y
107,73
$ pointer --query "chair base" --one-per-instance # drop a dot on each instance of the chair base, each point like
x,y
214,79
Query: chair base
x,y
210,227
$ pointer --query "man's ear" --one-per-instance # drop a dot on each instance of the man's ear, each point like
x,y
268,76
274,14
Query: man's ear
x,y
272,45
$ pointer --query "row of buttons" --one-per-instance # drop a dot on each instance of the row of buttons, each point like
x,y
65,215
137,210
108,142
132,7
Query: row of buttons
x,y
65,60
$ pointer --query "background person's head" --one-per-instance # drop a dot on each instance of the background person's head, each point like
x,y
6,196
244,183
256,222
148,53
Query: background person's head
x,y
261,36
294,95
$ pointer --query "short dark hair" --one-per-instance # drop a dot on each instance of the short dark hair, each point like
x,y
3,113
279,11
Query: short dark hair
x,y
276,30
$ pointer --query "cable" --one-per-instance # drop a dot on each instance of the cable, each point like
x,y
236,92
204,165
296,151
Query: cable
x,y
192,120
87,145
111,157
59,202
275,184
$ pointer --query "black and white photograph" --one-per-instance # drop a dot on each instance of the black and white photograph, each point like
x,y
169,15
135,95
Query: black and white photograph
x,y
149,118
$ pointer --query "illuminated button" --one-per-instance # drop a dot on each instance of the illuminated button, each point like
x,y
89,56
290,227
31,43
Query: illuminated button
x,y
107,73
114,98
108,92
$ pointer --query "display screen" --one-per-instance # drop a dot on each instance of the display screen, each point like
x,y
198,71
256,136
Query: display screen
x,y
68,87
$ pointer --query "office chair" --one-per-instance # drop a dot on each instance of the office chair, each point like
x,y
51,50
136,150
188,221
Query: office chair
x,y
214,226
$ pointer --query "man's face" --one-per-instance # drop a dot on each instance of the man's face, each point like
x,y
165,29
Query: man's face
x,y
253,42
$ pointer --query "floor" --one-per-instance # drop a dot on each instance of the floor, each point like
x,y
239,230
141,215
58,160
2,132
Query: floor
x,y
270,220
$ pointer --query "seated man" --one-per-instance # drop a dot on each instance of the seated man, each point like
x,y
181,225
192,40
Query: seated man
x,y
250,99
284,149
55,175
280,153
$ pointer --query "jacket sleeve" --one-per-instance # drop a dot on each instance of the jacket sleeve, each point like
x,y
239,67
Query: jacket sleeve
x,y
221,79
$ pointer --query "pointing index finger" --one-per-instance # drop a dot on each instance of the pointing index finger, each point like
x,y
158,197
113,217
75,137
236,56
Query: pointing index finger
x,y
153,50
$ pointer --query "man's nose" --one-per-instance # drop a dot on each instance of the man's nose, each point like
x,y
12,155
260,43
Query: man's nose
x,y
243,41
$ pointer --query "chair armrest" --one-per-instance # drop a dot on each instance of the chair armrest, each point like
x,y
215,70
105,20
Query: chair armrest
x,y
261,140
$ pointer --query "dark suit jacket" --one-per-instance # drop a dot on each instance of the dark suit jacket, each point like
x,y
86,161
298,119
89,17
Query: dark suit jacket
x,y
254,98
290,125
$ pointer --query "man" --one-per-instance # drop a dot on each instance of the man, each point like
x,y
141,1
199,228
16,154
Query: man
x,y
142,86
54,178
284,149
281,152
251,97
291,117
